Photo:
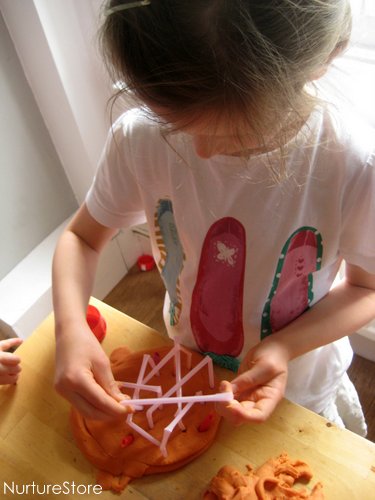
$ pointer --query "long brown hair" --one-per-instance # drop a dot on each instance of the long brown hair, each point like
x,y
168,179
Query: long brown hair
x,y
246,58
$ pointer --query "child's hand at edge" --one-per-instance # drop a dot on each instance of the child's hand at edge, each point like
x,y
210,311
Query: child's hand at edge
x,y
9,363
260,385
84,377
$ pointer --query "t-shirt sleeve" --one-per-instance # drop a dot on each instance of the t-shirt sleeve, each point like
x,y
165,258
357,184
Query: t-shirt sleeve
x,y
357,242
114,198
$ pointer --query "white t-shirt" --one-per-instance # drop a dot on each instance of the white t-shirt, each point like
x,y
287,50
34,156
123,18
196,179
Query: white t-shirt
x,y
240,254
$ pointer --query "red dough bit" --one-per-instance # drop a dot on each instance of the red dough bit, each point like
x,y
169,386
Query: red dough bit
x,y
156,357
127,440
206,423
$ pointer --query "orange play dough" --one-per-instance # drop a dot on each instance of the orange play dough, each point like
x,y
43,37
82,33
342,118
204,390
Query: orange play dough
x,y
119,453
273,480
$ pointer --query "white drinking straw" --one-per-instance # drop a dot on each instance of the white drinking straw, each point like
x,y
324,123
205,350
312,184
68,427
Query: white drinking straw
x,y
204,398
145,387
142,432
179,399
169,429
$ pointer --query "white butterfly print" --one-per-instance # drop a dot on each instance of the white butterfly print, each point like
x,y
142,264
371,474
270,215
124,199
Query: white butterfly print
x,y
226,254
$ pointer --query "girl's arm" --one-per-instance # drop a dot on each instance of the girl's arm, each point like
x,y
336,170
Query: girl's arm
x,y
83,375
263,373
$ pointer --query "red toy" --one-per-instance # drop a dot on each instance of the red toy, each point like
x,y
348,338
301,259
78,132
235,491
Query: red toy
x,y
96,322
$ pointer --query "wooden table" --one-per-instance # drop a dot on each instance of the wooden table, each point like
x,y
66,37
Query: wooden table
x,y
36,444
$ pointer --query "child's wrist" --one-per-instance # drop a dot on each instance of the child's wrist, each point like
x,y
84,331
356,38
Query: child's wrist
x,y
72,325
276,343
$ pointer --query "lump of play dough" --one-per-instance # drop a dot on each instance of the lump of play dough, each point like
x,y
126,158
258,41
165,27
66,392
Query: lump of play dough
x,y
119,453
273,480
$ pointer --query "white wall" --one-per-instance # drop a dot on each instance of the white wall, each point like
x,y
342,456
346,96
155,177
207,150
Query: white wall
x,y
351,78
35,196
61,65
56,43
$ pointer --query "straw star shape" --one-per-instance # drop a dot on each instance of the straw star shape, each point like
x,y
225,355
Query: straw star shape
x,y
174,395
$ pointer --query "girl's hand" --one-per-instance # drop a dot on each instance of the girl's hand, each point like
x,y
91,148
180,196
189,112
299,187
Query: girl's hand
x,y
260,385
83,376
9,363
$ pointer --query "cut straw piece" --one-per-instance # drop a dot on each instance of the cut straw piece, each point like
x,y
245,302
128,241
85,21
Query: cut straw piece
x,y
169,429
203,398
157,402
143,433
157,367
178,374
145,387
205,361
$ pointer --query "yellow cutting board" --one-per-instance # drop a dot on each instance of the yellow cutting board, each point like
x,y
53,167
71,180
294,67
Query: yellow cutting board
x,y
36,444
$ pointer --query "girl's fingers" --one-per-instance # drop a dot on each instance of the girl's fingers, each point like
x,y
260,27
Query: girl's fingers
x,y
105,379
92,400
225,408
9,359
256,412
11,369
9,363
6,378
225,386
228,411
120,396
252,405
251,379
88,410
111,386
9,343
240,412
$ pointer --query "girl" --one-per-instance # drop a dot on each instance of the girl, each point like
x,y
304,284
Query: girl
x,y
254,190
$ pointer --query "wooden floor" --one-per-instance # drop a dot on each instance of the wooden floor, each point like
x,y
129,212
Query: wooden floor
x,y
141,295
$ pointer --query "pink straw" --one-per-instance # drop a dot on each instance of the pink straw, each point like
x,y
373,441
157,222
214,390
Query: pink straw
x,y
219,397
145,387
166,398
169,429
142,432
205,361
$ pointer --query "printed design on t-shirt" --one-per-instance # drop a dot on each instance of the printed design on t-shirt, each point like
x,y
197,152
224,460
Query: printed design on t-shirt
x,y
171,256
225,254
217,299
292,288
